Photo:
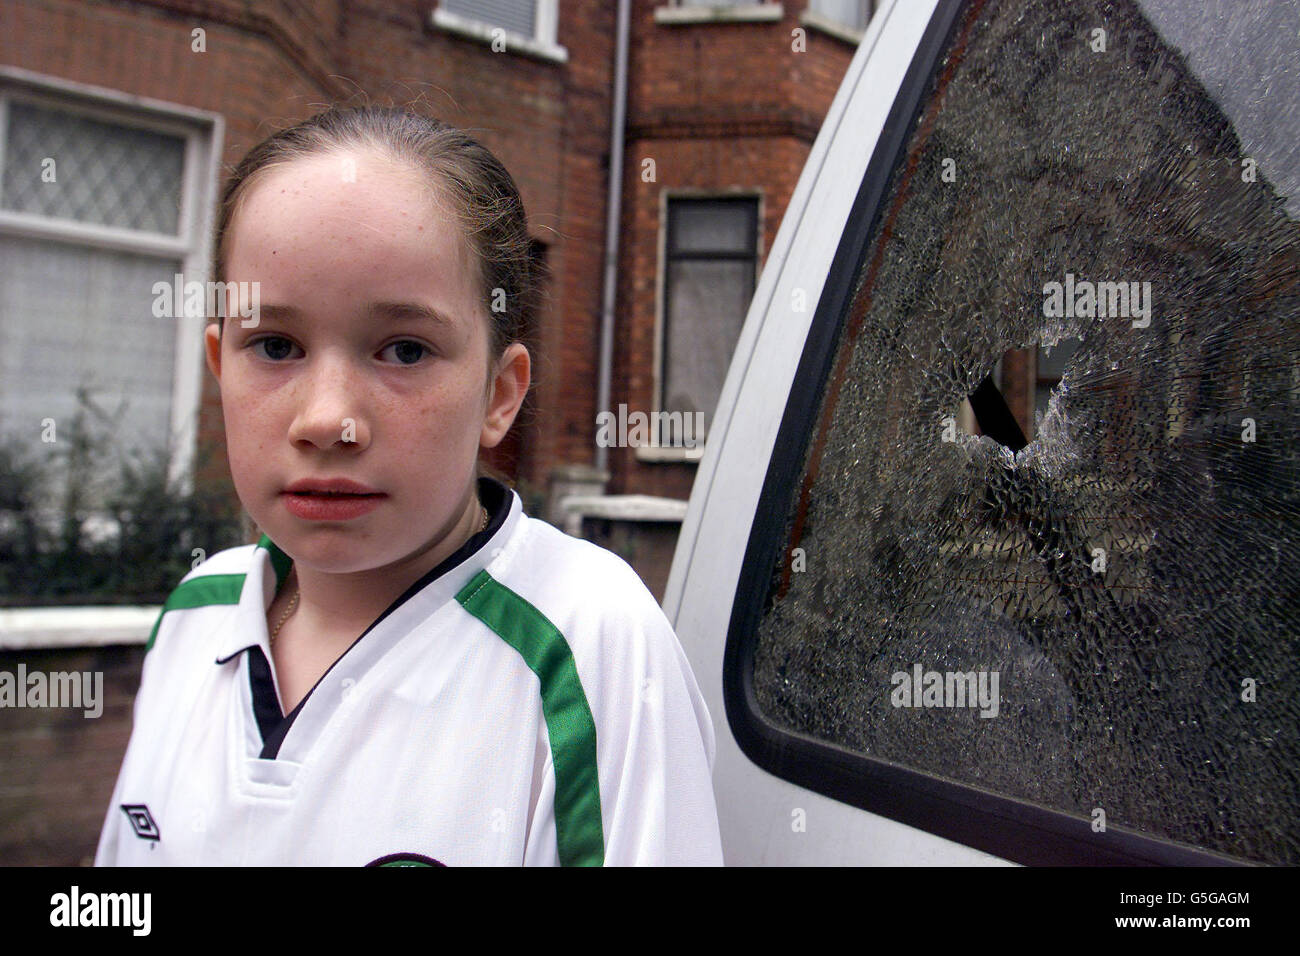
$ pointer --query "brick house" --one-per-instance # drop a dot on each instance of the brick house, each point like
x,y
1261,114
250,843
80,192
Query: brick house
x,y
141,107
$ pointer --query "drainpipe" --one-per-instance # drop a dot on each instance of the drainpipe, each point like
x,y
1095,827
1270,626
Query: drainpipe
x,y
616,130
588,481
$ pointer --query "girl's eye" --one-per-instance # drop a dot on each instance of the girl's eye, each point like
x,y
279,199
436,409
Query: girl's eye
x,y
274,347
406,351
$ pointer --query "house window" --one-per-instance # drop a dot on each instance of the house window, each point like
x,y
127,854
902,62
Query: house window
x,y
710,267
517,16
854,14
686,12
74,316
524,26
100,202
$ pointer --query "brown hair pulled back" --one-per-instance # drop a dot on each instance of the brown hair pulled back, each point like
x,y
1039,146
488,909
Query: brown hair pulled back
x,y
482,192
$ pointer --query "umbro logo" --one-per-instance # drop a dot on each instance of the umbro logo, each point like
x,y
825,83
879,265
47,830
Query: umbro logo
x,y
141,821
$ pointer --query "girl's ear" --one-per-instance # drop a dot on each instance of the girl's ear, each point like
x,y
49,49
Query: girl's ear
x,y
212,347
509,386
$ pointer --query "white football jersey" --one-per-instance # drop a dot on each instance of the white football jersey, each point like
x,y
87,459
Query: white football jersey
x,y
526,702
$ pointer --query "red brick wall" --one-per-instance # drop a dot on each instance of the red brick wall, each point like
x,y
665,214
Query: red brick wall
x,y
717,106
59,766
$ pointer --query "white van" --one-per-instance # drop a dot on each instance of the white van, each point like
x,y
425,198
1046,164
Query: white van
x,y
994,551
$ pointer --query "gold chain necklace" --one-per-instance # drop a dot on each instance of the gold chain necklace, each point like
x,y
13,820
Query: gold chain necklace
x,y
293,604
293,601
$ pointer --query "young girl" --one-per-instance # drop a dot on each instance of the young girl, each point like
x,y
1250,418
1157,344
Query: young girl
x,y
406,669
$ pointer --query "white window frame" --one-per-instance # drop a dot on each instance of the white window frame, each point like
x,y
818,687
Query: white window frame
x,y
543,44
828,25
203,132
685,11
655,452
833,27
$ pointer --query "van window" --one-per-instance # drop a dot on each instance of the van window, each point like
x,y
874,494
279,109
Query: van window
x,y
1093,613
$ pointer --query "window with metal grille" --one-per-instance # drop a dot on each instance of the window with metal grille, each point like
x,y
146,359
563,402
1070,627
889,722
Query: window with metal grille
x,y
77,336
97,209
103,173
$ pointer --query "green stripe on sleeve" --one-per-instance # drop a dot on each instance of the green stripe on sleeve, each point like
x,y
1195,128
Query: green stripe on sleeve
x,y
578,829
197,592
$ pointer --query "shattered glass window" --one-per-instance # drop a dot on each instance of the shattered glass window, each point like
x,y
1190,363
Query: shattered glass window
x,y
1100,614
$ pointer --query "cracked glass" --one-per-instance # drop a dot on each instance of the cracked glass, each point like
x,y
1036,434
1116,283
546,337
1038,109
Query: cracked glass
x,y
1056,452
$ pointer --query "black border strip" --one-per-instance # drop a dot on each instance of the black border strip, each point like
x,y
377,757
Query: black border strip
x,y
1008,828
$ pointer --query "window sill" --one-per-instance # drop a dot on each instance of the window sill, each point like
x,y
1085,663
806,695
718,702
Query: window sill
x,y
736,13
32,628
822,24
668,453
486,33
626,508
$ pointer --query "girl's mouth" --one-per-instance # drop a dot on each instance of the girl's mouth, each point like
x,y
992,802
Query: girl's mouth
x,y
320,505
330,487
331,494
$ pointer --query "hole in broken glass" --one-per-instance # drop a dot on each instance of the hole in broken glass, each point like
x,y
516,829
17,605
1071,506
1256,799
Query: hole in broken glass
x,y
986,412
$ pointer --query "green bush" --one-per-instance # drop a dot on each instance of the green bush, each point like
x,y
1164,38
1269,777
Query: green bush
x,y
88,525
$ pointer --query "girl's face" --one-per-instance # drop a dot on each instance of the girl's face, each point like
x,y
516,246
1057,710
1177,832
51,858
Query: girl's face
x,y
368,364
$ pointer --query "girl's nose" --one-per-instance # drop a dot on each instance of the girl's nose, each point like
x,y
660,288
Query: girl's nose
x,y
330,409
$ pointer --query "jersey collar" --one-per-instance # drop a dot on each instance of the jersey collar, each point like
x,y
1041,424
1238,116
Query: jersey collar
x,y
270,566
266,573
